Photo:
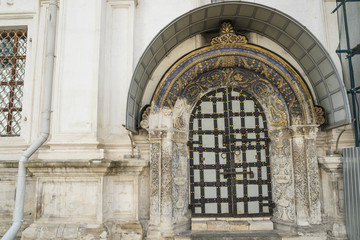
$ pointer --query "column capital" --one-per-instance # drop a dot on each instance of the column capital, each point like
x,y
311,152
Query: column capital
x,y
331,163
280,133
308,131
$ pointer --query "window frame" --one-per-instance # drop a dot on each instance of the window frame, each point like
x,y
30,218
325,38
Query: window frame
x,y
11,147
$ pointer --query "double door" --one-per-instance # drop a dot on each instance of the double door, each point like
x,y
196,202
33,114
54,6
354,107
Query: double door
x,y
229,156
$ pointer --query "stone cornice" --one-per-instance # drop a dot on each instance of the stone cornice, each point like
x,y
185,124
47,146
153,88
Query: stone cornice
x,y
96,167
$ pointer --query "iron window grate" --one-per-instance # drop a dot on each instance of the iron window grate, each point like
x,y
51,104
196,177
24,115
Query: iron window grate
x,y
13,45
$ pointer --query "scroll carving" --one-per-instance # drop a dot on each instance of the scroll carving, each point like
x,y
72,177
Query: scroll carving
x,y
320,115
145,118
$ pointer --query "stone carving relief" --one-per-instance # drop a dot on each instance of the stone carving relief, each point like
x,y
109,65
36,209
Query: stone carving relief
x,y
320,115
269,96
313,174
289,110
300,177
154,185
205,68
167,155
227,71
145,118
181,114
181,185
282,170
276,111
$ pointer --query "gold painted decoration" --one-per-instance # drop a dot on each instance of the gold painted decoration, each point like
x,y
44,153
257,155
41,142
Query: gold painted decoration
x,y
228,35
320,115
262,89
144,123
277,111
227,63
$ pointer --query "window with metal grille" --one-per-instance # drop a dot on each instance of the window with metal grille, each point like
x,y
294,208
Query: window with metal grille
x,y
12,73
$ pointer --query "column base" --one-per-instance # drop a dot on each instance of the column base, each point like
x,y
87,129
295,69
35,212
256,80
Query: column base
x,y
156,233
125,230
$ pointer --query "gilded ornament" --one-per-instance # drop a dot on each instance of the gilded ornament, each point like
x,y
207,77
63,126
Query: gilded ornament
x,y
238,66
228,35
277,111
145,118
320,115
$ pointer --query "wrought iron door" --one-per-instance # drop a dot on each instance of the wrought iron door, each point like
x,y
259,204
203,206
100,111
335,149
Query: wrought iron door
x,y
229,156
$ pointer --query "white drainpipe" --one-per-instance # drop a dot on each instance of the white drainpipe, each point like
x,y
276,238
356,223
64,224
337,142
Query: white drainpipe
x,y
45,125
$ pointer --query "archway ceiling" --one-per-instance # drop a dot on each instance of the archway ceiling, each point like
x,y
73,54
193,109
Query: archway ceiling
x,y
280,28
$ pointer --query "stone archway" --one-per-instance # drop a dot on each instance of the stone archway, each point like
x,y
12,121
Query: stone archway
x,y
292,118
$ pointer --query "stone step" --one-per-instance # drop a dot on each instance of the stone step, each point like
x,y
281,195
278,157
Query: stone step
x,y
232,225
236,236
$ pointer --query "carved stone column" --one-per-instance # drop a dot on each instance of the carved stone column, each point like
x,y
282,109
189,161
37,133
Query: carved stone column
x,y
181,216
156,181
310,133
166,184
169,183
300,176
306,174
282,175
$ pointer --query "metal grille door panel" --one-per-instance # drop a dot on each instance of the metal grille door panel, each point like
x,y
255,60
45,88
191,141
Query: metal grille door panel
x,y
229,156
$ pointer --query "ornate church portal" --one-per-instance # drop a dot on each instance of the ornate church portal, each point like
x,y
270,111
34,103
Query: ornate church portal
x,y
229,156
232,129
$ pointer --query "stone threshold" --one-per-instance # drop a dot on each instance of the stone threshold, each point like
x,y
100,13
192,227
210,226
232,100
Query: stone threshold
x,y
231,224
247,235
260,235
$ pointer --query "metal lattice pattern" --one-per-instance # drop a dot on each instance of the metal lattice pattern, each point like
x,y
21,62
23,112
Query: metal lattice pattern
x,y
12,73
229,156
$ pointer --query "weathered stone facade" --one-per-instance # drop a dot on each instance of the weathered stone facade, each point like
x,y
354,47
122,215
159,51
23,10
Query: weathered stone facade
x,y
91,181
294,164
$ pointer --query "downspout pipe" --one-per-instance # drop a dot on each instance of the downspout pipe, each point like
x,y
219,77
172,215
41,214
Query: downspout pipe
x,y
45,125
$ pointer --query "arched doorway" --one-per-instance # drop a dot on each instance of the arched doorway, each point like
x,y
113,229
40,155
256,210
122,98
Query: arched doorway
x,y
229,156
234,72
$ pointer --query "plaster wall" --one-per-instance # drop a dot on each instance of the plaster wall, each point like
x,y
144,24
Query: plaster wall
x,y
313,14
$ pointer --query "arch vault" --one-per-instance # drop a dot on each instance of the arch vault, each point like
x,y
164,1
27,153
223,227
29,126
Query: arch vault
x,y
299,42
